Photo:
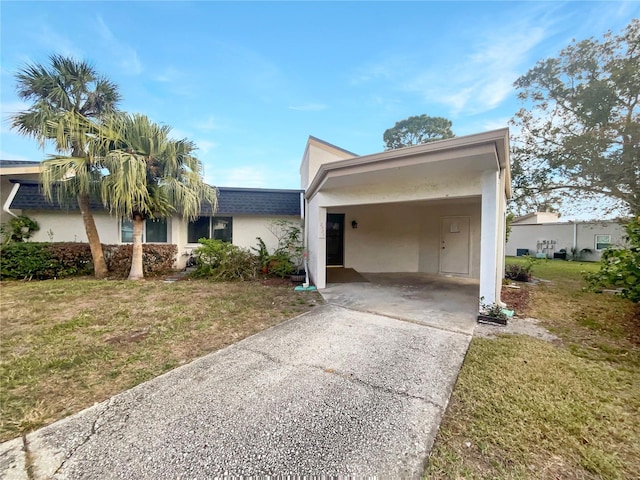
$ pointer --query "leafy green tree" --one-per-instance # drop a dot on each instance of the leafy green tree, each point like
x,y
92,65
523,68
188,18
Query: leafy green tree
x,y
620,266
417,130
149,175
580,129
67,97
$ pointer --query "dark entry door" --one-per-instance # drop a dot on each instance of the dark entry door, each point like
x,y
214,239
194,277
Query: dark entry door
x,y
335,239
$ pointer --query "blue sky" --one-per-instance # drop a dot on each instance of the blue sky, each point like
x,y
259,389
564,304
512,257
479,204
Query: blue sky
x,y
248,82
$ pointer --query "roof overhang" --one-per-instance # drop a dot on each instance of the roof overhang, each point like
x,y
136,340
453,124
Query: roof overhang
x,y
483,151
19,170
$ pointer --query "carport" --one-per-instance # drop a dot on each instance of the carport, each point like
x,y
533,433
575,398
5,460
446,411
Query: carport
x,y
436,209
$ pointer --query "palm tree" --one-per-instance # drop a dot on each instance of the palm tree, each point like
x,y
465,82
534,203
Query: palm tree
x,y
149,176
68,97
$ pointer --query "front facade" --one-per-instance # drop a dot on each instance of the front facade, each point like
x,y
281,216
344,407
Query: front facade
x,y
437,208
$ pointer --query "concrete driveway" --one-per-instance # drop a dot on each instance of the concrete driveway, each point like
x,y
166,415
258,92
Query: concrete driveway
x,y
335,391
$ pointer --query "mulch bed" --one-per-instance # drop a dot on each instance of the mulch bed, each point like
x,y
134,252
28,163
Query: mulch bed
x,y
517,299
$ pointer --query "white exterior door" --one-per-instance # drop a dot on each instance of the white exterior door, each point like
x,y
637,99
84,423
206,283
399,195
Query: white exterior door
x,y
454,245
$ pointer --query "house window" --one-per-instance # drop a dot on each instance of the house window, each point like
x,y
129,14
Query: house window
x,y
156,230
217,228
603,242
222,228
199,228
153,231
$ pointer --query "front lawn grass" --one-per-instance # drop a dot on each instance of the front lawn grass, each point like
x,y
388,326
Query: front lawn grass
x,y
525,408
66,344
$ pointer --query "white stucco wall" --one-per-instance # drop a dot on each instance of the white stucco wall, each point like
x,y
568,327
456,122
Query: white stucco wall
x,y
408,189
69,227
315,156
386,240
529,236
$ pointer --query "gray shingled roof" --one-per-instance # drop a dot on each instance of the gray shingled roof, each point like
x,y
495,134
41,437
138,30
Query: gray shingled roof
x,y
256,201
18,163
231,201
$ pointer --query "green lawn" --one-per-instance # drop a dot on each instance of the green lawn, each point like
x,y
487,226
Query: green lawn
x,y
66,344
525,408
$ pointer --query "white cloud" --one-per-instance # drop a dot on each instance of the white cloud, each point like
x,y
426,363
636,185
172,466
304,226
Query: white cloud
x,y
205,146
482,79
474,72
207,125
126,55
63,46
309,107
248,176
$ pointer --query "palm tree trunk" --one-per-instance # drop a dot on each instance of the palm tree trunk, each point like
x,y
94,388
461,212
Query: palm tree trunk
x,y
99,264
136,272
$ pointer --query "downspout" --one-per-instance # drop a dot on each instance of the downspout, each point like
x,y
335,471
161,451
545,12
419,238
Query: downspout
x,y
305,238
575,236
12,195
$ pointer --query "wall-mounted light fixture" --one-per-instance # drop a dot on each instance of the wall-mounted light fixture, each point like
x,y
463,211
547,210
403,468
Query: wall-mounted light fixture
x,y
354,224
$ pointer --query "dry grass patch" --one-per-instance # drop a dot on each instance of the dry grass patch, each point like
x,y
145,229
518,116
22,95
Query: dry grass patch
x,y
524,408
66,344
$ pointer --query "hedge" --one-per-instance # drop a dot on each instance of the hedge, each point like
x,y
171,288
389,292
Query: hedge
x,y
43,260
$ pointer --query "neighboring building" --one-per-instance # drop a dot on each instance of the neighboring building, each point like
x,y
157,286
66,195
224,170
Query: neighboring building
x,y
436,208
550,238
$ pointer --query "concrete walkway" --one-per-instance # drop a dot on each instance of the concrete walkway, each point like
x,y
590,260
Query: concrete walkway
x,y
333,392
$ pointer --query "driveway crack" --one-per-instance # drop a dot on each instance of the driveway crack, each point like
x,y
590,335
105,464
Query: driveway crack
x,y
350,377
92,432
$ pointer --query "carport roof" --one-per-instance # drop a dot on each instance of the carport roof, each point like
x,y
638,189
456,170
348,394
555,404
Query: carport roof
x,y
231,201
496,142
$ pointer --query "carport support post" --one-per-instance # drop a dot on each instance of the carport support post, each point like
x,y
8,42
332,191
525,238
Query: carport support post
x,y
321,250
489,237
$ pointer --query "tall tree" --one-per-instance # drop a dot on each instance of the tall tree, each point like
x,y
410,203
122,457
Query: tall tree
x,y
67,98
417,130
149,175
580,130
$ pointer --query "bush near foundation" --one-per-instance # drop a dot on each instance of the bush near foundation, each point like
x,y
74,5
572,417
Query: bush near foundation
x,y
43,260
40,260
157,259
222,261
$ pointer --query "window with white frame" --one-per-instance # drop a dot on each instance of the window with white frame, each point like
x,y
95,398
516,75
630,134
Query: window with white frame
x,y
217,228
153,231
602,242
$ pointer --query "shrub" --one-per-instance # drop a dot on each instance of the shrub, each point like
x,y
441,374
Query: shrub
x,y
280,264
220,260
35,260
18,229
157,259
620,266
68,259
25,261
520,273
